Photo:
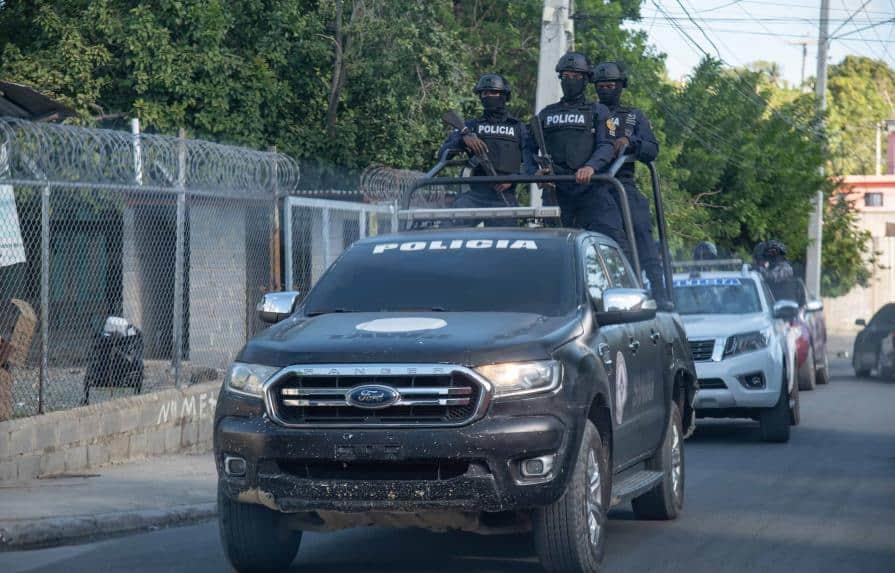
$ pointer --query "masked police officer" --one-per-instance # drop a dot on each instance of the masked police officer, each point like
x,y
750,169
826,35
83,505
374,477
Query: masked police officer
x,y
576,139
631,133
496,135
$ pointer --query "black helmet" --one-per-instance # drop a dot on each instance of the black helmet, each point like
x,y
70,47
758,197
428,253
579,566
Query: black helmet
x,y
494,83
574,62
610,72
705,251
775,245
758,251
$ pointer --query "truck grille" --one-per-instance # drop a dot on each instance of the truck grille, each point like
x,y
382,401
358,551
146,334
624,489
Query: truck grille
x,y
702,349
424,396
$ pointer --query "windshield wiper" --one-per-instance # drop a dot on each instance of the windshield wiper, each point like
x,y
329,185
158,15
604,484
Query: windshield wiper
x,y
330,311
417,309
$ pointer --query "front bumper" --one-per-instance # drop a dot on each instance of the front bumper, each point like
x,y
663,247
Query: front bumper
x,y
735,395
362,468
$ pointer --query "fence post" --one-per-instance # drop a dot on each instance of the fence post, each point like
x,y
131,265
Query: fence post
x,y
326,238
178,257
287,242
276,235
362,224
44,295
138,151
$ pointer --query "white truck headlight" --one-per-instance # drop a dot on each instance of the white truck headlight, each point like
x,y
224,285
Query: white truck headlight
x,y
248,379
522,378
747,342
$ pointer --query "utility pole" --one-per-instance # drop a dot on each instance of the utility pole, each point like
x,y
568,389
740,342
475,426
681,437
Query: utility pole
x,y
557,36
815,225
804,44
879,148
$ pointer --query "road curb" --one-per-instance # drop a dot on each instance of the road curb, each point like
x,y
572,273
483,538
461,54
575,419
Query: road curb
x,y
54,531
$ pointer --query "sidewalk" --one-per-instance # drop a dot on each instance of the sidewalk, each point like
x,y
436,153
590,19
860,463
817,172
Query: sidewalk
x,y
142,495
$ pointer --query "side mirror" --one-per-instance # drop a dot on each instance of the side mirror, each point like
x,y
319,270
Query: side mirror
x,y
814,305
626,305
861,322
276,306
786,309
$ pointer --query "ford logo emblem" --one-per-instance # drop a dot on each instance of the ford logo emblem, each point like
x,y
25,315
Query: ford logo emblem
x,y
372,397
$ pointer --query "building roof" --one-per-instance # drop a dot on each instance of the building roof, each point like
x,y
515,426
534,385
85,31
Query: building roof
x,y
24,102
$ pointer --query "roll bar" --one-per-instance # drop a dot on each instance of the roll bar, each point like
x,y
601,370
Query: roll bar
x,y
432,179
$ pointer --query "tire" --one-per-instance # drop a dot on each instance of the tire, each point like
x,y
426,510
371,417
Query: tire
x,y
823,373
666,500
775,421
882,372
254,538
795,412
807,372
570,534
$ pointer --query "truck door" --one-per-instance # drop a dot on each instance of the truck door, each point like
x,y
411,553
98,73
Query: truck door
x,y
610,344
644,408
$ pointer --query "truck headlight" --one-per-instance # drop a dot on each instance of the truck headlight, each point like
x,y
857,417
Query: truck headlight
x,y
747,342
522,378
248,379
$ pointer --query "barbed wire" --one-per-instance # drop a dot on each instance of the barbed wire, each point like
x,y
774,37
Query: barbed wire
x,y
64,153
382,184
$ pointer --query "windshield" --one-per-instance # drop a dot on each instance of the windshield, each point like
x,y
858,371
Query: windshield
x,y
716,296
451,275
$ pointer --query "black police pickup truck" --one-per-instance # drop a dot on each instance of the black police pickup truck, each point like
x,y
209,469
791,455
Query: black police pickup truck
x,y
480,379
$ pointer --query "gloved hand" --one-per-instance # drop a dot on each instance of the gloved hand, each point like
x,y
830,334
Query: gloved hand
x,y
620,145
584,174
474,144
545,171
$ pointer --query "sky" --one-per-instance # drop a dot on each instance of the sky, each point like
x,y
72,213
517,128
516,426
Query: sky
x,y
744,31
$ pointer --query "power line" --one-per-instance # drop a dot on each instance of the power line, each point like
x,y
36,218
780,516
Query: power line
x,y
704,35
850,18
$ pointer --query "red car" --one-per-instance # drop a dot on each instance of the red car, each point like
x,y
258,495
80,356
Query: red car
x,y
811,345
811,348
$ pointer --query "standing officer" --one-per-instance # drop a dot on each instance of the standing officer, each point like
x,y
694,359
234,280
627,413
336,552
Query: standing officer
x,y
496,135
631,133
576,139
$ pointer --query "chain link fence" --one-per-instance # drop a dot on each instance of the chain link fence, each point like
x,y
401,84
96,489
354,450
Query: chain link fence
x,y
128,262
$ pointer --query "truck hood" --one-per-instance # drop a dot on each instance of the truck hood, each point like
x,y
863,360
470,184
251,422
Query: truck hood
x,y
723,325
465,338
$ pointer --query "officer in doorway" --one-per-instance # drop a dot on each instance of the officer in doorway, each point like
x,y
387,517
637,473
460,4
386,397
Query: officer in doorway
x,y
631,133
575,136
495,136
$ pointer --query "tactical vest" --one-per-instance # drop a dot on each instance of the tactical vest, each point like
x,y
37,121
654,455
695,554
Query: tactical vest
x,y
569,134
504,141
621,123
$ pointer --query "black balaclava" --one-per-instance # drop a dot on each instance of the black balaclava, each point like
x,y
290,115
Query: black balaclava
x,y
610,98
495,106
573,89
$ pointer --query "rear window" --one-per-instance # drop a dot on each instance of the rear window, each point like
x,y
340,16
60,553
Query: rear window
x,y
716,296
453,275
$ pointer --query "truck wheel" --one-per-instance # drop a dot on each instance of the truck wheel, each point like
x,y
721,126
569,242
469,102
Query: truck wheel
x,y
823,372
775,421
666,500
254,538
807,373
882,372
570,534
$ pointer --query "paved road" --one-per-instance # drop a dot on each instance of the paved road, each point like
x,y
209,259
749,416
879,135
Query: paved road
x,y
823,502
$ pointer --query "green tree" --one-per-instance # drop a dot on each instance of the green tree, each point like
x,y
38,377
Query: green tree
x,y
861,94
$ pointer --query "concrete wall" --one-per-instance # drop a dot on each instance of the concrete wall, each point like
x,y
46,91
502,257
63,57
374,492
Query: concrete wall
x,y
115,431
217,289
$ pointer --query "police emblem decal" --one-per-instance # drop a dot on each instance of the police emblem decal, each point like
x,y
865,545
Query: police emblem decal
x,y
409,324
621,387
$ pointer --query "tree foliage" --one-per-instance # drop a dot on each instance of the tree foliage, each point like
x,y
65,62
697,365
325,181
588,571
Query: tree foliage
x,y
861,94
341,84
